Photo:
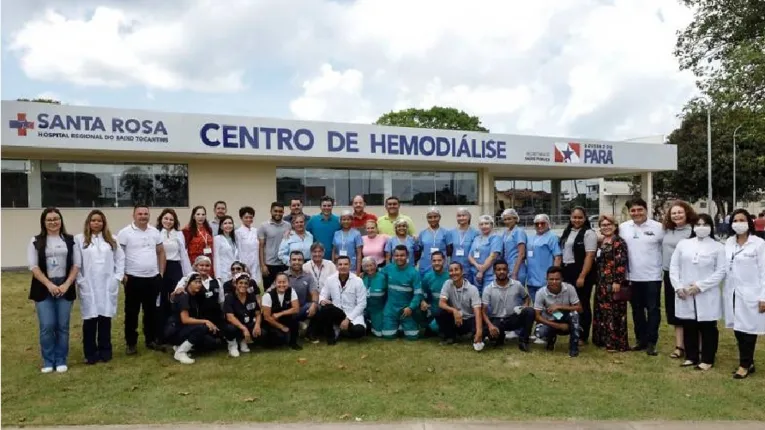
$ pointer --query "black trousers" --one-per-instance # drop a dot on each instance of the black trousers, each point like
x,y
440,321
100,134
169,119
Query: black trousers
x,y
328,317
669,302
450,330
646,301
710,337
746,345
198,335
272,272
142,293
570,275
173,274
232,332
273,336
523,321
97,339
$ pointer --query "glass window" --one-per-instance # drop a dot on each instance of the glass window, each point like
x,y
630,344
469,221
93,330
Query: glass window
x,y
369,184
456,188
290,184
325,182
15,179
118,185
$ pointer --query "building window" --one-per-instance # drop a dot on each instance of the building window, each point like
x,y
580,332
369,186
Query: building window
x,y
117,185
15,179
413,188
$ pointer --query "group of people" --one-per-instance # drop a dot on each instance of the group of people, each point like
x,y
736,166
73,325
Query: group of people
x,y
212,284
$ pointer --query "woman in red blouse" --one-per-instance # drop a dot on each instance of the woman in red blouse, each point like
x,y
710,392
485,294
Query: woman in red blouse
x,y
609,328
199,236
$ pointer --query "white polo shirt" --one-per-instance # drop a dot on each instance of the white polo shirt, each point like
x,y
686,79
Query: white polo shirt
x,y
644,249
140,250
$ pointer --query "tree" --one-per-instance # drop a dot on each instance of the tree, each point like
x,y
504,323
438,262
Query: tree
x,y
724,46
435,117
38,100
689,182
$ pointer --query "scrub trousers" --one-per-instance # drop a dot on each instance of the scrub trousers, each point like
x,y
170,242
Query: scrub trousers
x,y
374,316
392,320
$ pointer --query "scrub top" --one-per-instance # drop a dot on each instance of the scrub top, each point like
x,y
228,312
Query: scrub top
x,y
510,242
410,243
345,243
323,231
461,242
430,241
483,247
540,254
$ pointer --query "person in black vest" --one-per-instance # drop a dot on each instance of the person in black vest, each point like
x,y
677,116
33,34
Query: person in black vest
x,y
243,319
53,260
579,243
237,267
189,328
280,310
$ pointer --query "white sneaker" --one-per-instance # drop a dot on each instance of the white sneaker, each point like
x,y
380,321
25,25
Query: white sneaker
x,y
182,353
61,369
46,370
243,347
540,341
511,335
303,326
532,336
233,348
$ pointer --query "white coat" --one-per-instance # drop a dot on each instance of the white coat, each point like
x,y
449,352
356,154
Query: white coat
x,y
352,299
182,252
248,245
98,281
225,254
746,282
700,262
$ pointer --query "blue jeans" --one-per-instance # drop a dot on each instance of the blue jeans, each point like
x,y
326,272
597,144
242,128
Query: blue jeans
x,y
533,293
303,311
53,314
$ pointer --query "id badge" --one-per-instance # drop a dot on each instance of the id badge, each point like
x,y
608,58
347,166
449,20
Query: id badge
x,y
599,253
208,294
529,254
432,250
343,253
207,251
476,254
53,262
246,319
159,298
459,252
695,259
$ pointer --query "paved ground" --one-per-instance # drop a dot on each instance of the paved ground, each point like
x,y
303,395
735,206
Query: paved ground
x,y
452,425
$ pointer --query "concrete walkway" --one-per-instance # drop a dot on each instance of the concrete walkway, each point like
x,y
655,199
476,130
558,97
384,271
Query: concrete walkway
x,y
449,425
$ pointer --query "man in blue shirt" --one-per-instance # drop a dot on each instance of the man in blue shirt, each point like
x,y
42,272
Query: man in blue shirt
x,y
324,225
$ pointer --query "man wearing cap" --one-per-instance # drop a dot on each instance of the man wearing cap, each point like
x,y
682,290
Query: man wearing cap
x,y
360,217
460,306
542,252
432,239
386,223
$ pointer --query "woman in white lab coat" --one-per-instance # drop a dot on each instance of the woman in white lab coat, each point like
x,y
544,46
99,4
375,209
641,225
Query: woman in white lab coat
x,y
696,271
226,251
247,242
745,289
98,281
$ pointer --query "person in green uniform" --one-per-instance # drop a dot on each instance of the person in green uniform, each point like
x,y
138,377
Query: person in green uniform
x,y
377,286
404,297
432,283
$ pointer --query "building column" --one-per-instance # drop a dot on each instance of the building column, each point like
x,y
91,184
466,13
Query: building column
x,y
646,191
34,184
555,203
486,192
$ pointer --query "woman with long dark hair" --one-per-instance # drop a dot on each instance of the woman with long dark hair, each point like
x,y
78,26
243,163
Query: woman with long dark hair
x,y
696,270
579,244
199,236
98,280
226,251
745,289
54,260
177,264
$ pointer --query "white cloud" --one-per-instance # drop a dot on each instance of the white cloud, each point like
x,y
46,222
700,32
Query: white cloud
x,y
593,68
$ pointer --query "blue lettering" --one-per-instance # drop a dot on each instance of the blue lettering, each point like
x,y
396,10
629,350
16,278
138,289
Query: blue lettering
x,y
598,156
408,148
268,132
42,120
394,147
425,150
203,134
303,146
501,149
464,148
284,136
246,137
442,146
132,126
374,143
353,141
331,136
160,128
57,123
229,136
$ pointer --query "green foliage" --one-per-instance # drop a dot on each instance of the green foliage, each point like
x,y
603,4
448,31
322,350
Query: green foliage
x,y
435,117
51,101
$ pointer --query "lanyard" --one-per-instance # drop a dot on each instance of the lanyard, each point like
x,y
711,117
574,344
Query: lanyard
x,y
735,253
204,237
435,236
344,240
504,291
316,276
463,235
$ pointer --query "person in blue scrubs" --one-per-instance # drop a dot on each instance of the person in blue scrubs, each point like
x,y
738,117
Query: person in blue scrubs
x,y
542,251
514,246
324,225
402,237
486,247
460,240
347,242
432,239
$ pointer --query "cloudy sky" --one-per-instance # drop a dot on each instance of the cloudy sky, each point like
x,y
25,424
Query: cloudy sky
x,y
583,68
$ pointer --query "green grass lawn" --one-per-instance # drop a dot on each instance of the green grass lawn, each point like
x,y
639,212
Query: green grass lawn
x,y
372,380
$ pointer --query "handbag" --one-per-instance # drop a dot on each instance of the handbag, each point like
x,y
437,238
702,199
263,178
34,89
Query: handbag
x,y
624,294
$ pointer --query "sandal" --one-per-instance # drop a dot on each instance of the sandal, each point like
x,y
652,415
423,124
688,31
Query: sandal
x,y
677,353
688,363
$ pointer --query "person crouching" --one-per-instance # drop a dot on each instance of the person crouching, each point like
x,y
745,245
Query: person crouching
x,y
343,301
243,317
280,311
557,310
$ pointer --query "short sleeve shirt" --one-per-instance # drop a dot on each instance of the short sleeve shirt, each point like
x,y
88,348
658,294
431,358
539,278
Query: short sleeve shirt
x,y
272,233
590,244
244,312
266,301
567,297
140,250
465,298
303,285
189,303
502,301
540,254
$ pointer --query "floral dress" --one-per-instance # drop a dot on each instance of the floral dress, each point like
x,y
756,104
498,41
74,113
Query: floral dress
x,y
610,318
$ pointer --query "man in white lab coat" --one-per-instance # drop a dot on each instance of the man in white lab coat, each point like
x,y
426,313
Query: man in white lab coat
x,y
343,301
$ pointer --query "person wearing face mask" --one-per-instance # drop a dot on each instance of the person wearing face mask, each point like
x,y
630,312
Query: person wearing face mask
x,y
678,224
644,238
373,244
542,252
514,241
347,242
432,239
580,243
199,235
697,268
247,243
226,251
324,225
460,240
745,289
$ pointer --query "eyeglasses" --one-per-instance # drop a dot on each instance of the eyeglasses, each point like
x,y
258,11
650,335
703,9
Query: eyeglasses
x,y
540,223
